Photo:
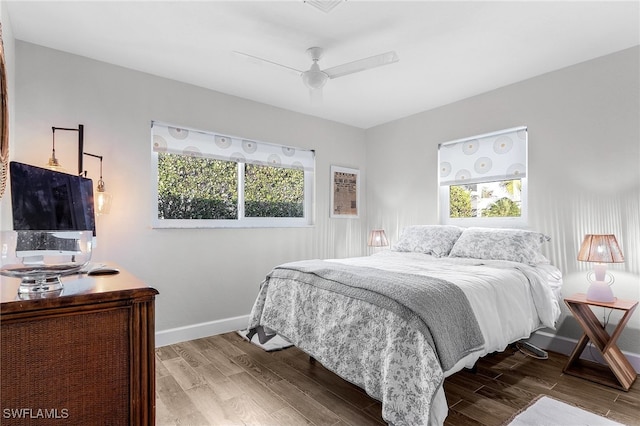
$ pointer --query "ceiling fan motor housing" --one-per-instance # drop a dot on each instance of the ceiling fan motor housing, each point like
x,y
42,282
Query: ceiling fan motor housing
x,y
314,78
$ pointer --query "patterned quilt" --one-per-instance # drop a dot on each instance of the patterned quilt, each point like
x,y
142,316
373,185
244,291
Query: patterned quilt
x,y
435,307
375,344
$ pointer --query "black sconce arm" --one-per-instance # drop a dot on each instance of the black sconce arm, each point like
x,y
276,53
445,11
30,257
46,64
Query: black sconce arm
x,y
80,131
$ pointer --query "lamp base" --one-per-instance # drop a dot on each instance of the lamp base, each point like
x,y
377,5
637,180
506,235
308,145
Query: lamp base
x,y
600,291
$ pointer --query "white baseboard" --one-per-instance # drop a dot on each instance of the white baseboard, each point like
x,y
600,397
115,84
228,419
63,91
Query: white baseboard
x,y
565,345
197,331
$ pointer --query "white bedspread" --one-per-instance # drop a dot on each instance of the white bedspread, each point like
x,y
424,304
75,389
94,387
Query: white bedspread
x,y
510,300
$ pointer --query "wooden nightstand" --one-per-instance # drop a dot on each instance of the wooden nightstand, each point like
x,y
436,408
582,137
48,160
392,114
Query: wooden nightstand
x,y
620,373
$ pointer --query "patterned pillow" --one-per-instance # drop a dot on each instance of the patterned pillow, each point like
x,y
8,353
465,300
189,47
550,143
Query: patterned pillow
x,y
516,245
436,240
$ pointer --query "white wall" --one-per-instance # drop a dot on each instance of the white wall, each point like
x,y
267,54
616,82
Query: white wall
x,y
584,165
203,275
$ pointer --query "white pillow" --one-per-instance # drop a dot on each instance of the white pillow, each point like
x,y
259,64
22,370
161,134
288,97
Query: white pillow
x,y
516,245
435,240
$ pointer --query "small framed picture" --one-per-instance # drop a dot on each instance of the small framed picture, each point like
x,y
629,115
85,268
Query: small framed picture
x,y
345,192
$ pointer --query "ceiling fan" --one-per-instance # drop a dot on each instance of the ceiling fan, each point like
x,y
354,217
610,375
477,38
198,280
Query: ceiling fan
x,y
315,78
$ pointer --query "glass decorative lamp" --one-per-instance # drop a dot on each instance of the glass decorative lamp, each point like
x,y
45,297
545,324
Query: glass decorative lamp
x,y
600,249
102,197
40,258
378,238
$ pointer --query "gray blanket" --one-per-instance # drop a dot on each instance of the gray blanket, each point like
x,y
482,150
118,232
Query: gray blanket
x,y
437,308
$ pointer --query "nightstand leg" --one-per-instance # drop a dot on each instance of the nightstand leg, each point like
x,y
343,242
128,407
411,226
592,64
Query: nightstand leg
x,y
620,369
575,355
620,366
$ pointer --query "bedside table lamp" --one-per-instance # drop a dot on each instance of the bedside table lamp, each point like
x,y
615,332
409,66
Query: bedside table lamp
x,y
378,238
601,249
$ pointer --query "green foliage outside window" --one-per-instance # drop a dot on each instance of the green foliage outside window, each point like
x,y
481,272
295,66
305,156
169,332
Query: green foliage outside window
x,y
512,186
460,201
468,200
504,207
203,188
273,191
196,188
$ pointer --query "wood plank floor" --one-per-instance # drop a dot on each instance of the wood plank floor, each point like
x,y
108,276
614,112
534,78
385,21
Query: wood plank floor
x,y
224,380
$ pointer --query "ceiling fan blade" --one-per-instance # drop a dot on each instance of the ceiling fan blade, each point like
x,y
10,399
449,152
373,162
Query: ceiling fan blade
x,y
362,64
257,60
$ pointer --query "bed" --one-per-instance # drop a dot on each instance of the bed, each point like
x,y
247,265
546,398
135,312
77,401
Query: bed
x,y
398,322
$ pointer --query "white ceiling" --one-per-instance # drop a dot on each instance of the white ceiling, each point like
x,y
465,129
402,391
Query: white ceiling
x,y
449,50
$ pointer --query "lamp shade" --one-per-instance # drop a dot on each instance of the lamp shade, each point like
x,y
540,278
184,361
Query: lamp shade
x,y
377,238
54,165
103,202
102,197
601,248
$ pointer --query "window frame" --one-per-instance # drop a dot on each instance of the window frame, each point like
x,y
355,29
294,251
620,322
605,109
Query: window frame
x,y
241,222
511,222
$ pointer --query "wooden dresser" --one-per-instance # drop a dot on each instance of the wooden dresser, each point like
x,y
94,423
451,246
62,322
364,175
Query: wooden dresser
x,y
85,356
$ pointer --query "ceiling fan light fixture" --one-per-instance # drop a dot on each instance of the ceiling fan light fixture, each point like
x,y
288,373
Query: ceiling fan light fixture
x,y
314,78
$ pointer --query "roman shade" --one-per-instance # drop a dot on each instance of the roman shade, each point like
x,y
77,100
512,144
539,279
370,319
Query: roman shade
x,y
198,143
490,157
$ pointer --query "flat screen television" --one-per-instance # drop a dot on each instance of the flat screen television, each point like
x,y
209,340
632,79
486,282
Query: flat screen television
x,y
43,199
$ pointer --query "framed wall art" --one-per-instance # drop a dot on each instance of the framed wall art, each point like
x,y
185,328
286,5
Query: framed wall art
x,y
345,192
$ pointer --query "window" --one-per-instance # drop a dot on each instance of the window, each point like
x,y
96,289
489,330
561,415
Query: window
x,y
273,191
203,179
483,179
196,188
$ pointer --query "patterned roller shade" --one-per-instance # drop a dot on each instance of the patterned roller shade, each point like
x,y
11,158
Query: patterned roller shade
x,y
485,158
200,143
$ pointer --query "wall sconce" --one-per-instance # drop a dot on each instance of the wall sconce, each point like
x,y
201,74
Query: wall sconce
x,y
601,249
378,238
102,198
53,163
